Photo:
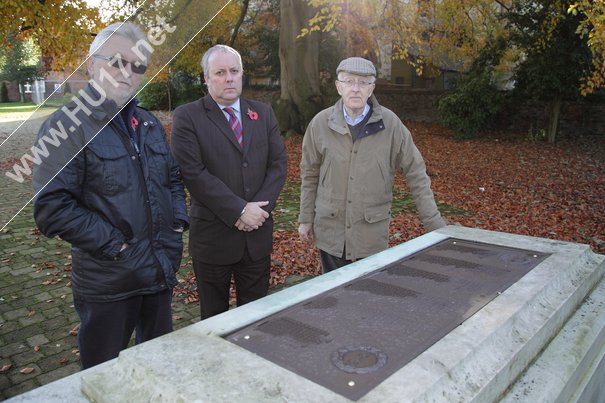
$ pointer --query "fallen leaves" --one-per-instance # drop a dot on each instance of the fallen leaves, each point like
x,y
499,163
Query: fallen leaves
x,y
74,330
530,188
27,370
502,182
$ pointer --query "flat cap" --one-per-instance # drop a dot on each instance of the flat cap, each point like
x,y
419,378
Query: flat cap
x,y
358,66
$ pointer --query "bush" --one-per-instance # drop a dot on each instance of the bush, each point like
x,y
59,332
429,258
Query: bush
x,y
3,93
187,86
156,96
471,107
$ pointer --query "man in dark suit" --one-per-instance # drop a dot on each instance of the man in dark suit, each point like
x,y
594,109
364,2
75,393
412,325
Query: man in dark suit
x,y
233,162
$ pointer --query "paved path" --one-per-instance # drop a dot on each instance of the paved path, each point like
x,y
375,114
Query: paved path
x,y
37,319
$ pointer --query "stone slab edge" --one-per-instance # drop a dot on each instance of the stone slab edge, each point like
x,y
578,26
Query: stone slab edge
x,y
476,361
567,366
448,361
479,360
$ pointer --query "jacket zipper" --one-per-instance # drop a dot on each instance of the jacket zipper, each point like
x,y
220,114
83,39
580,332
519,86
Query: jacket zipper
x,y
135,157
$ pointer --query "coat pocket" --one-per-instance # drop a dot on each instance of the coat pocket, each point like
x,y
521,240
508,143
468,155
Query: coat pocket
x,y
108,168
325,211
328,227
158,156
377,213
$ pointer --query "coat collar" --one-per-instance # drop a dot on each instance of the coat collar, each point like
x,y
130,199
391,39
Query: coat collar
x,y
100,114
216,115
336,120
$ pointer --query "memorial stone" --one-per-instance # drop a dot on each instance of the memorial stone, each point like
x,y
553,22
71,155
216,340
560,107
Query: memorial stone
x,y
456,315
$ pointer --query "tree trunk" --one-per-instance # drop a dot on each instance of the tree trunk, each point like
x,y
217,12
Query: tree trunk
x,y
555,109
22,92
300,97
242,16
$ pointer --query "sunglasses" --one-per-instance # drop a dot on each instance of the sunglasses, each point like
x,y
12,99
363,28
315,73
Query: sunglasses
x,y
119,63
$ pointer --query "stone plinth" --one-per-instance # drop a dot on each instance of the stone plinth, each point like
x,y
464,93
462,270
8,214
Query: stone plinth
x,y
542,339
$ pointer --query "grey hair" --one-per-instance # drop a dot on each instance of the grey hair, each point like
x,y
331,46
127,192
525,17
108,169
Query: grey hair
x,y
219,48
126,30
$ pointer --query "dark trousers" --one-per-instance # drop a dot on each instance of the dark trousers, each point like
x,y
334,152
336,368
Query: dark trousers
x,y
106,327
214,282
331,262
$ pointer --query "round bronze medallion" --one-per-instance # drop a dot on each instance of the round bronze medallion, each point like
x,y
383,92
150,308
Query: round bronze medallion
x,y
359,359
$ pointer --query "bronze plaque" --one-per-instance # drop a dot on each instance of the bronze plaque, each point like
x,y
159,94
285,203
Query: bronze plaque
x,y
351,338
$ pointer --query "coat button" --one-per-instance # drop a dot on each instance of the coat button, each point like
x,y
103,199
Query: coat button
x,y
245,164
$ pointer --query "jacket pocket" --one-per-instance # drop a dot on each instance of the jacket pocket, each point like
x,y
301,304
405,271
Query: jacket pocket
x,y
328,227
377,213
158,156
110,168
325,211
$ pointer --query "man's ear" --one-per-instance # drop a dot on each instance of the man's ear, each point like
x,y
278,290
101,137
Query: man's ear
x,y
337,83
372,88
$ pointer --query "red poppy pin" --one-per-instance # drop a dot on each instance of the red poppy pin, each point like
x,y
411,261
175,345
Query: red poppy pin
x,y
134,122
252,115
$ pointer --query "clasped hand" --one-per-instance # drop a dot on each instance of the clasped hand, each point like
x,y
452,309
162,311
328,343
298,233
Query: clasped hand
x,y
253,218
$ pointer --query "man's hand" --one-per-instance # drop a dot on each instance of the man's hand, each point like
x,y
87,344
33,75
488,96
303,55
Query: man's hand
x,y
254,216
239,224
305,232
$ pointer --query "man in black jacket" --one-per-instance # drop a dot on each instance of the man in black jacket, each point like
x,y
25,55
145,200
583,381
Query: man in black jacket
x,y
112,189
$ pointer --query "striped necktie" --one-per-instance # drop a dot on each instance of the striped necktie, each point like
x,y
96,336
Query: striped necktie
x,y
235,126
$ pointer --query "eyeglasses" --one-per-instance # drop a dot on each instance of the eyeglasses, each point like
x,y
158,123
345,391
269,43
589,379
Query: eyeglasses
x,y
351,83
119,63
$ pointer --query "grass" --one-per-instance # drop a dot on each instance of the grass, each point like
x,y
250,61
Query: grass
x,y
286,214
17,107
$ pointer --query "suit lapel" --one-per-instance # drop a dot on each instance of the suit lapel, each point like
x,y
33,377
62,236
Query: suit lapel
x,y
216,116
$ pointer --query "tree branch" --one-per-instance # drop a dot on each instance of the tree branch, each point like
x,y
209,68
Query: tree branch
x,y
242,15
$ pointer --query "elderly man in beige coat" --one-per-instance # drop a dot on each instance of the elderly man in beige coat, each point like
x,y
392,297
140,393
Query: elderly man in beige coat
x,y
350,154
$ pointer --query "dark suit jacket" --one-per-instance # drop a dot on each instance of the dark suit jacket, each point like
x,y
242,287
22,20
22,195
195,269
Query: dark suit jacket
x,y
222,177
